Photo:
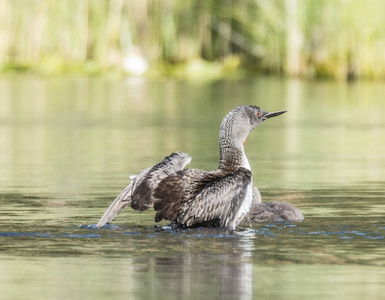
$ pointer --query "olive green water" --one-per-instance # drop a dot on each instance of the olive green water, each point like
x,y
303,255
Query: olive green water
x,y
69,145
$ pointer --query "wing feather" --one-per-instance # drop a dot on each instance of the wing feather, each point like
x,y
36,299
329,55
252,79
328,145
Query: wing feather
x,y
120,203
217,196
139,192
193,197
169,193
142,192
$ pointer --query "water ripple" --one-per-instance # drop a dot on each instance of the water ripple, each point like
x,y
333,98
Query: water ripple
x,y
26,234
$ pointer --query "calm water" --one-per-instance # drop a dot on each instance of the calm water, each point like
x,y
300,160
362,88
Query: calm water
x,y
69,145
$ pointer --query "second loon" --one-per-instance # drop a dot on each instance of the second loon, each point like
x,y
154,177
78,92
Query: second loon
x,y
194,198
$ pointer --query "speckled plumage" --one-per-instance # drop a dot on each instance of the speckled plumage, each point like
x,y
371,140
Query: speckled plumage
x,y
191,197
272,212
204,197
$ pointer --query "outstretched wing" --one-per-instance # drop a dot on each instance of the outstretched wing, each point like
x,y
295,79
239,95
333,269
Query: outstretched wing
x,y
144,186
139,192
209,196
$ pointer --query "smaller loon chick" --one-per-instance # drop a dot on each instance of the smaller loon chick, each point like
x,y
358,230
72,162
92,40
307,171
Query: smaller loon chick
x,y
192,197
263,212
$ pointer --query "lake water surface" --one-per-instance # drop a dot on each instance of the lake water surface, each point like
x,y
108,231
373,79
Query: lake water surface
x,y
69,145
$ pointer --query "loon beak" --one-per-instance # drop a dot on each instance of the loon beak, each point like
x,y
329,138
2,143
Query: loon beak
x,y
273,114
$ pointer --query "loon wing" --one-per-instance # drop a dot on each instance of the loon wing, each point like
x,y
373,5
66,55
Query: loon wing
x,y
210,197
170,192
139,192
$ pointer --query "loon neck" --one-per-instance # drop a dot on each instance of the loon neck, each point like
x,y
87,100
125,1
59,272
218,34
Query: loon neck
x,y
232,158
233,132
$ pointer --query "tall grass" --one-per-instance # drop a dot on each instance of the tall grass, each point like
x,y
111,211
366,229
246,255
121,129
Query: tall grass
x,y
323,38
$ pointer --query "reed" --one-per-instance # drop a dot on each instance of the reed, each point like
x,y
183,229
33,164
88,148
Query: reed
x,y
325,38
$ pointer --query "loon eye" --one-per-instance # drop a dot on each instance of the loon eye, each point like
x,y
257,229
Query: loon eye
x,y
258,114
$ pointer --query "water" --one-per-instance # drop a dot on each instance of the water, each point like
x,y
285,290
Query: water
x,y
69,145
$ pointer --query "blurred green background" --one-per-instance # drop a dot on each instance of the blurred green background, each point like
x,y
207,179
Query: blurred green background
x,y
342,39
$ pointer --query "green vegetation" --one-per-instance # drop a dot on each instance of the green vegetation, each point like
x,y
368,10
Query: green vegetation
x,y
182,38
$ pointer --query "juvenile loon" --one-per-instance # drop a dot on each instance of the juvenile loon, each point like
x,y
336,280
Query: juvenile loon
x,y
192,197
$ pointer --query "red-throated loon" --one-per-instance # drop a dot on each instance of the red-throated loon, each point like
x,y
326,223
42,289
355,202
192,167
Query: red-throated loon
x,y
192,198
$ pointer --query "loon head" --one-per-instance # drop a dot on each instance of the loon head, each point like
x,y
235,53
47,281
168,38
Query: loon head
x,y
241,120
257,115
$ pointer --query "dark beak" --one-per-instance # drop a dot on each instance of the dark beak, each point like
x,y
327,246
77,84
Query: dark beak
x,y
273,114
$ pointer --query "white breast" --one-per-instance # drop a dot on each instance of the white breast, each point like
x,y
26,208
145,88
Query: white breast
x,y
245,207
245,162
